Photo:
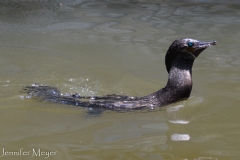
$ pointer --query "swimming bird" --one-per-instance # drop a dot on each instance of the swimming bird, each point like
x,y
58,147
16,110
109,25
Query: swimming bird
x,y
178,60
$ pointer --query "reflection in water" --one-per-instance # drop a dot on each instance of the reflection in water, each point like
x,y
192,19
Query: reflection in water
x,y
119,46
180,137
173,115
181,113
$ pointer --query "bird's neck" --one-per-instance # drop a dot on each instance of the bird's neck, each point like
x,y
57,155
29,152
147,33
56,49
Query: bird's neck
x,y
179,87
179,83
179,78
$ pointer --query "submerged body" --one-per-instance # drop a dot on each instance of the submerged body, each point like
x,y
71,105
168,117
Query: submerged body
x,y
179,60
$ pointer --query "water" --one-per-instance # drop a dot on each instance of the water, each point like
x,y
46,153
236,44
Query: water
x,y
104,47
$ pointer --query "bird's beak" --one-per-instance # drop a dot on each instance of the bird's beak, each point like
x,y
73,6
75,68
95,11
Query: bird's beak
x,y
200,46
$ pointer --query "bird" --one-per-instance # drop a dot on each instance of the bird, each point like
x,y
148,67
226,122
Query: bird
x,y
179,60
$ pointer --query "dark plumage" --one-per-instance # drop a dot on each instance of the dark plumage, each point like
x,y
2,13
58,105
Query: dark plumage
x,y
179,60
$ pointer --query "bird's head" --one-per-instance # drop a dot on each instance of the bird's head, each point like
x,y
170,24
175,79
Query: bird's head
x,y
187,49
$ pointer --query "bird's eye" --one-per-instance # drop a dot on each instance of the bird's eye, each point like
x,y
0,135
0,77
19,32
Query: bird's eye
x,y
190,44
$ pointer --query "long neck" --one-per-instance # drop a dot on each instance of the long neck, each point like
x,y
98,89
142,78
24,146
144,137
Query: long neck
x,y
179,84
180,75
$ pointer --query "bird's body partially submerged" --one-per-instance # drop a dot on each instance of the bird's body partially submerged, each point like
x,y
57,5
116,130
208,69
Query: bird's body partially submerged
x,y
179,60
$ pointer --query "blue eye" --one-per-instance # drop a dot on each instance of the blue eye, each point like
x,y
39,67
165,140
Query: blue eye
x,y
190,44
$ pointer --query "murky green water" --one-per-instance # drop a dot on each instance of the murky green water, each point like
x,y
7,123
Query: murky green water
x,y
104,47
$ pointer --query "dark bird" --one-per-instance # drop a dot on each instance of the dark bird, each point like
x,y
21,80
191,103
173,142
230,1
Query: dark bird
x,y
178,60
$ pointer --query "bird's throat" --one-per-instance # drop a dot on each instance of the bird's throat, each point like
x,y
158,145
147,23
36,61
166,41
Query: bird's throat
x,y
179,82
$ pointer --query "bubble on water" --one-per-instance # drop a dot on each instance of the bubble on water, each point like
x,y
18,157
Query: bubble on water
x,y
71,80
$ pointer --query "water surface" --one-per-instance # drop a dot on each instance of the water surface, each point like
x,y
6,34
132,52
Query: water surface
x,y
104,47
